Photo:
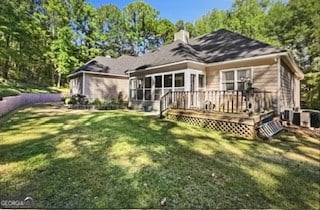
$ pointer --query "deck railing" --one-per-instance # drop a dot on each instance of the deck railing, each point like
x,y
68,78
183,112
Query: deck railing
x,y
252,101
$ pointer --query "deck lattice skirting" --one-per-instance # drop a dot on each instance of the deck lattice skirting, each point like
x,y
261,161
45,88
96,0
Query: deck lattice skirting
x,y
240,126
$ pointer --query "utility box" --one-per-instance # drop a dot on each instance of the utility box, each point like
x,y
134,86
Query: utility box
x,y
288,116
305,120
296,118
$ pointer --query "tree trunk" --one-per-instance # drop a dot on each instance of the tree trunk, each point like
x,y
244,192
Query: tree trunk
x,y
59,80
6,66
53,80
5,70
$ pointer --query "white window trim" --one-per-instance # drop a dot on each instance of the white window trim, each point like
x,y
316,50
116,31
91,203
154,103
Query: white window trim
x,y
235,75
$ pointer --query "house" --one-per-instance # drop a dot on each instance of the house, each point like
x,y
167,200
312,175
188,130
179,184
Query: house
x,y
102,78
234,81
220,61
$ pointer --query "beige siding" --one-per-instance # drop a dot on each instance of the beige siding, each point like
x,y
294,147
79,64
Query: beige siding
x,y
296,92
105,88
76,85
264,73
287,88
265,77
213,79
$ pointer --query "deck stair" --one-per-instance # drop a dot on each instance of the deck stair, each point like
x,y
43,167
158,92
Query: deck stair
x,y
270,128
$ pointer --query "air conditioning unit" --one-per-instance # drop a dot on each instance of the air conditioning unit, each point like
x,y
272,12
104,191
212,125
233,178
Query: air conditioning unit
x,y
288,115
305,120
296,118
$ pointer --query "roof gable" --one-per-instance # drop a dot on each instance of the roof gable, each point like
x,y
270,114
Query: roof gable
x,y
224,45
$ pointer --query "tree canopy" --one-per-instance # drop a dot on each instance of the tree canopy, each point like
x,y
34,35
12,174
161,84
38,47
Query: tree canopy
x,y
44,40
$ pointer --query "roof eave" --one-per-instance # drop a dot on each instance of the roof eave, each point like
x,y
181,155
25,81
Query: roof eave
x,y
165,65
273,55
297,71
98,73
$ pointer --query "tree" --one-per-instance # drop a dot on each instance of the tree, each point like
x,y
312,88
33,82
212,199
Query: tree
x,y
212,21
111,28
61,52
180,25
140,24
165,31
296,26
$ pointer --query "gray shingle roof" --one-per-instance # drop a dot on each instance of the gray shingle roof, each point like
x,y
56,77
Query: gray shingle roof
x,y
109,65
222,45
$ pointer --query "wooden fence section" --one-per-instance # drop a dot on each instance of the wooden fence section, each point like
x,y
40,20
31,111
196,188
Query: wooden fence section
x,y
218,101
13,102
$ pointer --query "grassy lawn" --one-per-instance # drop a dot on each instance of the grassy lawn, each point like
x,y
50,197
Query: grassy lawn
x,y
122,159
12,88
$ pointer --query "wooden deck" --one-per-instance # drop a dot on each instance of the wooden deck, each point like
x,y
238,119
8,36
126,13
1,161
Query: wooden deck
x,y
234,112
249,102
240,125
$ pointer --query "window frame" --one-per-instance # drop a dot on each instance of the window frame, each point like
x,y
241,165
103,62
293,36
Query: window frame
x,y
235,80
145,89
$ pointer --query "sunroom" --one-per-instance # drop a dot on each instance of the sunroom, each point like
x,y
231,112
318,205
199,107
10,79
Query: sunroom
x,y
147,89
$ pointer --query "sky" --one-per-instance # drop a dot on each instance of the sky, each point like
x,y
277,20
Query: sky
x,y
174,10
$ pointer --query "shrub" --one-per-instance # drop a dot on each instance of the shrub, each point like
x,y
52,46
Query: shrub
x,y
67,100
8,92
79,99
120,98
97,102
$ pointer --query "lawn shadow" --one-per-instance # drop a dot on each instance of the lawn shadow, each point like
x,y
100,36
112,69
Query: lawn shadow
x,y
119,159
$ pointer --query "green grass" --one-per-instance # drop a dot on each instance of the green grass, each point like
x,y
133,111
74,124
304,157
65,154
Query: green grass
x,y
13,88
122,159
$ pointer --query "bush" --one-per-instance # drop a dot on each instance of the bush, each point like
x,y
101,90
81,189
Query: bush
x,y
120,98
79,99
8,92
67,100
97,102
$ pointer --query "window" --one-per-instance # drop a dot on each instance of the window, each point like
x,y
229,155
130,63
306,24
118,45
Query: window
x,y
158,81
168,80
228,80
201,81
158,87
139,89
179,80
236,79
243,77
147,82
147,88
133,89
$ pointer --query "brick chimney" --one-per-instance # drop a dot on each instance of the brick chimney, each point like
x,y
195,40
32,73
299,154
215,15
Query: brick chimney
x,y
182,35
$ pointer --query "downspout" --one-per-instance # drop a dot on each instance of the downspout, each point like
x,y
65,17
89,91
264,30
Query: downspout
x,y
279,84
83,83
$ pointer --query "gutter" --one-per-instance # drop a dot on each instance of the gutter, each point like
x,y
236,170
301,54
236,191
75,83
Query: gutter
x,y
97,73
210,64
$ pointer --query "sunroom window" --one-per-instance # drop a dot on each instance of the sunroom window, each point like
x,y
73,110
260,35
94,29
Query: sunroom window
x,y
133,89
147,88
201,81
168,81
158,87
179,80
139,89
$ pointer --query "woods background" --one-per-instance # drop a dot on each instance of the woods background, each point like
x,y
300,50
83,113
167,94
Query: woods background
x,y
42,41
